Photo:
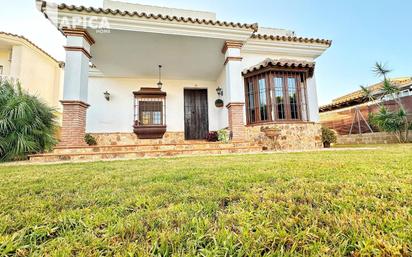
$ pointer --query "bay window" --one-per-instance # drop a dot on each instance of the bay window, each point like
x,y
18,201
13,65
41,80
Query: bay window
x,y
276,95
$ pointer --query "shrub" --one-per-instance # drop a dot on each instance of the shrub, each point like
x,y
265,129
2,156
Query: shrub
x,y
212,136
27,124
223,135
394,120
90,140
328,136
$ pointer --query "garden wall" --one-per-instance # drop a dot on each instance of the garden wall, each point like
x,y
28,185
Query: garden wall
x,y
369,138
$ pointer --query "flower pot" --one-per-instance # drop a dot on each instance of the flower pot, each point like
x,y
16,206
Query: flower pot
x,y
219,103
149,131
326,144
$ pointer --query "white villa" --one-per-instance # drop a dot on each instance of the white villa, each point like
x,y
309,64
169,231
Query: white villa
x,y
17,56
264,78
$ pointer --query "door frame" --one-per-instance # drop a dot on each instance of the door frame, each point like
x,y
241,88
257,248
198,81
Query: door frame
x,y
184,109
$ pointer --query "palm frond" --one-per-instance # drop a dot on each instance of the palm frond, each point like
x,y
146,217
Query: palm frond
x,y
380,69
388,88
27,124
367,93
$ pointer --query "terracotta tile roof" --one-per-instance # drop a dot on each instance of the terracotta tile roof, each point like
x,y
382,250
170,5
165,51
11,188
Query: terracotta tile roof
x,y
285,63
81,8
293,39
30,43
358,96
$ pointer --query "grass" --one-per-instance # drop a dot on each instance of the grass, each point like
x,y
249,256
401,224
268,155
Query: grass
x,y
322,203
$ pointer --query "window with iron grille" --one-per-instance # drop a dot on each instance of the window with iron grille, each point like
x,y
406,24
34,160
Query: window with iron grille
x,y
276,96
150,106
150,112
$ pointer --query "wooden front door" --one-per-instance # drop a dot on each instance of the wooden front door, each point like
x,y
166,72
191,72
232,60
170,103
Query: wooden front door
x,y
196,114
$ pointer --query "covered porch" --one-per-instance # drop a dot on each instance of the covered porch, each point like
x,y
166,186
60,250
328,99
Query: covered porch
x,y
179,98
127,92
120,93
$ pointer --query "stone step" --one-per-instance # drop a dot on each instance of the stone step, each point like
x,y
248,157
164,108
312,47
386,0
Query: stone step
x,y
150,147
95,156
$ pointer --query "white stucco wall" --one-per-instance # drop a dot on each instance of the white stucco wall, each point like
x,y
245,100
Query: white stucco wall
x,y
251,59
4,61
221,81
117,114
313,104
37,73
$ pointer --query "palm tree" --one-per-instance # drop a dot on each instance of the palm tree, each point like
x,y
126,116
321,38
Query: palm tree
x,y
393,122
27,125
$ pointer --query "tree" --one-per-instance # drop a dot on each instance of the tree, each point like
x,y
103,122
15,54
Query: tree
x,y
27,125
391,121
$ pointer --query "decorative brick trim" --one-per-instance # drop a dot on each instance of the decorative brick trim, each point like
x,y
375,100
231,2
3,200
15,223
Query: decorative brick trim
x,y
231,44
236,120
74,102
74,123
233,59
234,104
79,49
79,33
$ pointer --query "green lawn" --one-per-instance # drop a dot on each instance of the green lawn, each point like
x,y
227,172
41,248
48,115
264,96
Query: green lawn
x,y
322,203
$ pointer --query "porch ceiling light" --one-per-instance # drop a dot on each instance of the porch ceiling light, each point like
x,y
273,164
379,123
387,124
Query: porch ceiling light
x,y
219,91
160,84
107,95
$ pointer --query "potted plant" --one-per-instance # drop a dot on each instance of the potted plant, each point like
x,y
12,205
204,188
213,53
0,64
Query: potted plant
x,y
223,136
212,136
219,103
90,140
328,137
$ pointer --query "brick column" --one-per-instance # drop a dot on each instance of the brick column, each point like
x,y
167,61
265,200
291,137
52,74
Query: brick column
x,y
75,90
236,121
235,96
74,123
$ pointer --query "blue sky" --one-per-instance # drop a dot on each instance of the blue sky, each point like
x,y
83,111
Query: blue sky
x,y
363,32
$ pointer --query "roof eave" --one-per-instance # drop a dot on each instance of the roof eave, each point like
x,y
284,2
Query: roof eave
x,y
142,22
296,39
23,40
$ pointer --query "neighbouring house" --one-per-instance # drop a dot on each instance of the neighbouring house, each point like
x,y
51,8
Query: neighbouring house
x,y
340,114
264,77
37,71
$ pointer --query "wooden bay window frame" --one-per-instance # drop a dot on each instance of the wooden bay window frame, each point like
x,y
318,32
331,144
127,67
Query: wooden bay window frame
x,y
300,76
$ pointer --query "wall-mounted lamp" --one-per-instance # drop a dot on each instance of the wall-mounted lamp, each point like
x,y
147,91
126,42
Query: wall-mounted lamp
x,y
219,91
107,95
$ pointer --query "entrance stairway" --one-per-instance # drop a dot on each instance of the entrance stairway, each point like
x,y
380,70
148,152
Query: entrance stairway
x,y
106,152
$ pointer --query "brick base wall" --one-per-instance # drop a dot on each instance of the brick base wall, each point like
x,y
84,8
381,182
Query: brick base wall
x,y
294,136
132,139
73,124
236,120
